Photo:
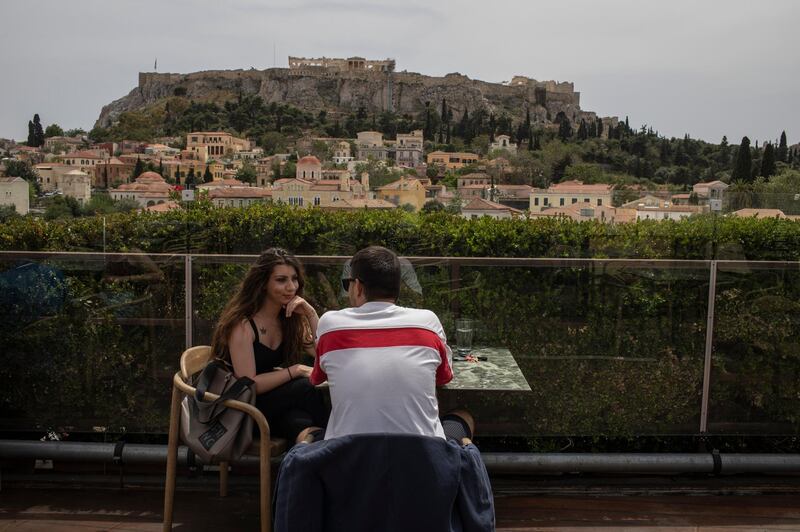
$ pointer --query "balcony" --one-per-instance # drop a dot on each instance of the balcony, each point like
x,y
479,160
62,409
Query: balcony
x,y
622,356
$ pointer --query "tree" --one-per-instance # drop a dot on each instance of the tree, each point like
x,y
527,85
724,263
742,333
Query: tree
x,y
190,179
53,130
8,213
565,130
768,161
492,127
583,133
247,173
31,135
783,149
744,161
432,206
37,131
137,169
207,177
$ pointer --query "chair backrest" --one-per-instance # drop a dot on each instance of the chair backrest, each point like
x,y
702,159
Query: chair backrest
x,y
194,360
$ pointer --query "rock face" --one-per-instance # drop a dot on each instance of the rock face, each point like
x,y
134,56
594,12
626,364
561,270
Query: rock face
x,y
344,92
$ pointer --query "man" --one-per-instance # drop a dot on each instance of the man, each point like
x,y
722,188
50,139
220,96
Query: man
x,y
383,362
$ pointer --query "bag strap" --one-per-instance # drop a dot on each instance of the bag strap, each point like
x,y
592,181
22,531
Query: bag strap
x,y
216,408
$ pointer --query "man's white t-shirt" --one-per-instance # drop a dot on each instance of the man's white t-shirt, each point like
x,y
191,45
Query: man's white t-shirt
x,y
383,364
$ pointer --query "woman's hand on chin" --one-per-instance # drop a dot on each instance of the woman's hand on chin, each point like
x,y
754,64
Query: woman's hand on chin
x,y
299,305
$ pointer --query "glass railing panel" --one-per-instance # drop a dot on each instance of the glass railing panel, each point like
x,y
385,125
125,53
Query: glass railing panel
x,y
89,341
611,348
755,376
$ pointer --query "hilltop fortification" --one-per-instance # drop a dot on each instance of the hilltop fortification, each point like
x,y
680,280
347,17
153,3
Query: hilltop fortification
x,y
340,86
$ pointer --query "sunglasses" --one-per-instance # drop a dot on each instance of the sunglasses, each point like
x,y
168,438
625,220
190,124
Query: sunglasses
x,y
346,283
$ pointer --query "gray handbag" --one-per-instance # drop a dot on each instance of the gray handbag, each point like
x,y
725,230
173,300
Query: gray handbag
x,y
213,431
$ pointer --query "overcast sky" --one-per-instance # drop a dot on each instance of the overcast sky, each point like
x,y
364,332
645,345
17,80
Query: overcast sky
x,y
704,67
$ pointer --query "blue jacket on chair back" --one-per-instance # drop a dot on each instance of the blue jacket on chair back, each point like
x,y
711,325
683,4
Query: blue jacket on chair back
x,y
383,482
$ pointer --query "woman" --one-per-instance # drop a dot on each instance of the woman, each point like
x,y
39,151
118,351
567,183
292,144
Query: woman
x,y
263,332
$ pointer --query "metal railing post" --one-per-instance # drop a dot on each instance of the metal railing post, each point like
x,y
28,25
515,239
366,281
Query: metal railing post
x,y
187,279
712,294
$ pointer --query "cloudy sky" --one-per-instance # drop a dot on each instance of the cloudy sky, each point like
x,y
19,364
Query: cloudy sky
x,y
704,67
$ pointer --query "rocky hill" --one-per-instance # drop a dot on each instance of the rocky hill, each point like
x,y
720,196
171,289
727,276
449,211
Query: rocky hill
x,y
341,92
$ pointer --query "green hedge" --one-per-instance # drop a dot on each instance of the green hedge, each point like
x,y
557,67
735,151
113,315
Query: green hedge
x,y
205,229
609,350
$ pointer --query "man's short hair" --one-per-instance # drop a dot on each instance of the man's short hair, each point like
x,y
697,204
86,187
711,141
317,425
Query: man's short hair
x,y
378,269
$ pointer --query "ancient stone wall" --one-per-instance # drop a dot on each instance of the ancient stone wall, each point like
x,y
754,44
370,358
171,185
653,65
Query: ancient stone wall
x,y
315,88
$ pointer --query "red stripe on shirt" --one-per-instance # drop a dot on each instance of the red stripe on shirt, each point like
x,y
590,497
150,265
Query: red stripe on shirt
x,y
373,338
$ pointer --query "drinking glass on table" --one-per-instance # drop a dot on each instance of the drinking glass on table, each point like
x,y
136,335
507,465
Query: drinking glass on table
x,y
465,330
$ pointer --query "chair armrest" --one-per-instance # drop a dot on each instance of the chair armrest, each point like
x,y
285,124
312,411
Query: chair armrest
x,y
255,413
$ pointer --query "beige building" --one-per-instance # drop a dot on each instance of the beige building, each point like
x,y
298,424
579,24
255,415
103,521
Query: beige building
x,y
69,144
86,160
475,178
243,196
360,204
14,191
479,207
503,142
322,193
369,145
669,212
452,161
763,213
76,184
309,168
581,212
408,149
210,144
148,189
50,174
342,153
111,172
568,193
404,191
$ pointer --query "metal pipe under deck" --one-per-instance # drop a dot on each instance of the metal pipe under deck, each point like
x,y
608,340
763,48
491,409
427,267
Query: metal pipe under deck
x,y
516,463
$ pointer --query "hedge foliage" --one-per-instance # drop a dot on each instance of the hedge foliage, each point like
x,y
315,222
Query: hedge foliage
x,y
205,229
609,349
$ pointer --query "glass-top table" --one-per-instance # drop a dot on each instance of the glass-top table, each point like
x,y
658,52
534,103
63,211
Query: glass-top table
x,y
498,372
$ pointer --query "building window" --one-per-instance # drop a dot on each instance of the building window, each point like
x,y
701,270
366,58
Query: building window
x,y
301,200
586,200
599,202
316,200
561,202
574,200
546,201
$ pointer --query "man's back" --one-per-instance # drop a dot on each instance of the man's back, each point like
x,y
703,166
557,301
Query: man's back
x,y
383,363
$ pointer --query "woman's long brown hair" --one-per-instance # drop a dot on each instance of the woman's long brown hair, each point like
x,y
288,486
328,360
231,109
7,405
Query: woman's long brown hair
x,y
249,298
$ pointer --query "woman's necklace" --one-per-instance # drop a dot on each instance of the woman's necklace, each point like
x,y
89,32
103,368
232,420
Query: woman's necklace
x,y
262,330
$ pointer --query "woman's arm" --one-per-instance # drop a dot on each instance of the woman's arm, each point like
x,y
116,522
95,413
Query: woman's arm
x,y
244,362
303,308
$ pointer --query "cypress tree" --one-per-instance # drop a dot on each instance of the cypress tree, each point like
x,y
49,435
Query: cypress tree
x,y
583,134
444,112
38,132
492,127
768,161
137,169
463,126
741,167
207,177
783,149
536,144
565,130
599,127
31,135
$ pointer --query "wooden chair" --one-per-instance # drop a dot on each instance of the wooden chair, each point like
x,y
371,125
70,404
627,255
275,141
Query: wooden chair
x,y
193,360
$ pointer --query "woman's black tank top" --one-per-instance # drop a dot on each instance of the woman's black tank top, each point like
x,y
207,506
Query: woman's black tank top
x,y
266,358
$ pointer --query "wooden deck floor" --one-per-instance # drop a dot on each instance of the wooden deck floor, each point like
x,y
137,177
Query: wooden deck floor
x,y
56,510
